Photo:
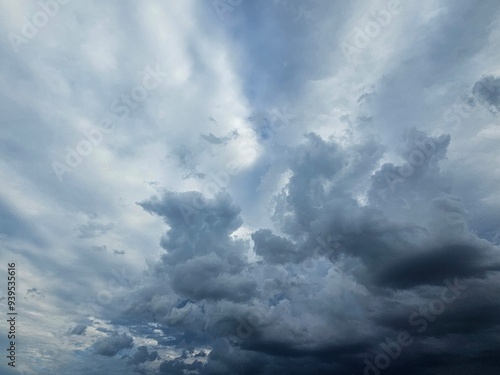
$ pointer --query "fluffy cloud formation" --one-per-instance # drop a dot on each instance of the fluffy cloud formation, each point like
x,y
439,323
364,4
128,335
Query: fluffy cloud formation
x,y
344,279
487,90
111,345
325,177
142,355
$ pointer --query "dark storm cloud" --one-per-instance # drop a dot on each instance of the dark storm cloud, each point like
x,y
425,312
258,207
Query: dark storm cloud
x,y
183,211
110,346
306,184
203,261
208,277
197,226
142,355
274,249
174,367
324,219
434,265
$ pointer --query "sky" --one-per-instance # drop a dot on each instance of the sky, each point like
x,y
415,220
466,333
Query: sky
x,y
250,187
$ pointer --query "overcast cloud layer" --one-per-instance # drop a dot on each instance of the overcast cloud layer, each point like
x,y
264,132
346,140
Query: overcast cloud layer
x,y
251,186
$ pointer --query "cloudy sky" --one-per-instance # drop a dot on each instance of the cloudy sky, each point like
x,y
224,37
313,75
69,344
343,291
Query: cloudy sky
x,y
251,186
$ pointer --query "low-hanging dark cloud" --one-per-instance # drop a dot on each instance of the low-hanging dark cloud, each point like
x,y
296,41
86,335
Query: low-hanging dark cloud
x,y
110,346
340,278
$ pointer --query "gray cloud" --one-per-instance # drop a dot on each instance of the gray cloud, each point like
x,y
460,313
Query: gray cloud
x,y
371,211
379,254
78,329
487,90
142,355
110,346
93,229
274,249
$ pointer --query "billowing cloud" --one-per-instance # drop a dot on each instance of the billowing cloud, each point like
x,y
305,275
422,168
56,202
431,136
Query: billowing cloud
x,y
487,90
252,187
142,355
340,263
111,345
